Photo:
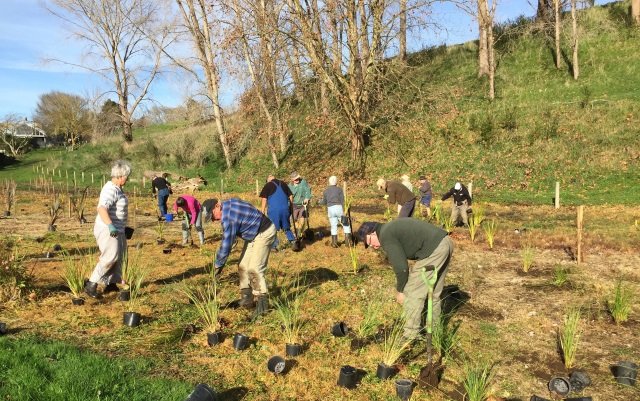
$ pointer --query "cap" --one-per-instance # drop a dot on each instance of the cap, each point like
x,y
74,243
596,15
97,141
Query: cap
x,y
458,186
295,176
365,229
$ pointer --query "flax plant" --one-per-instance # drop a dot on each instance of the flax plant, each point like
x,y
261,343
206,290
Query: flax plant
x,y
569,337
438,214
560,275
445,336
159,229
387,214
528,255
394,344
288,310
55,210
620,305
370,320
353,258
133,274
475,221
205,300
478,378
78,200
74,273
489,227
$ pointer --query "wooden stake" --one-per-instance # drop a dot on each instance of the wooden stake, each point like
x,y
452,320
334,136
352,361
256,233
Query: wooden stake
x,y
69,201
344,190
83,177
221,186
470,188
257,190
557,198
580,225
144,182
135,207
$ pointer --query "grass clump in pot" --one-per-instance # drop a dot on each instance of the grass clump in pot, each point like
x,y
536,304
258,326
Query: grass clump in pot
x,y
489,227
205,299
569,337
75,271
478,378
620,304
370,320
159,229
133,275
394,344
288,310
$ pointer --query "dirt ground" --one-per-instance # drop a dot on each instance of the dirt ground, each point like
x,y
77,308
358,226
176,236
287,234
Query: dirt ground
x,y
506,316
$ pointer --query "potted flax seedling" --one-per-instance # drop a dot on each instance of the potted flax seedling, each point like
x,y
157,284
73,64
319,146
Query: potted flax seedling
x,y
288,310
393,347
133,274
74,273
159,229
205,300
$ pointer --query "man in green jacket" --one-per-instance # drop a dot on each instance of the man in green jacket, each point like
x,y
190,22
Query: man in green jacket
x,y
301,196
406,239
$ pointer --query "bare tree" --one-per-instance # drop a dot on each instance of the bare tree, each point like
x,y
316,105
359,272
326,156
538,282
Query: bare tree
x,y
557,7
198,18
64,114
119,50
402,32
9,127
543,11
635,11
574,26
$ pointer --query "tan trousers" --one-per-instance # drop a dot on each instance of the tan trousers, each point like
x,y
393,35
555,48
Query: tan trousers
x,y
109,267
416,290
460,211
254,259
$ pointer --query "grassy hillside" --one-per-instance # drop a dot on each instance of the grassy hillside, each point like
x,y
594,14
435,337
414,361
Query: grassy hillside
x,y
434,118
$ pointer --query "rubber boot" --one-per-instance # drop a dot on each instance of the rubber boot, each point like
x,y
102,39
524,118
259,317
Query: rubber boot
x,y
185,238
201,237
262,306
334,241
112,287
91,289
246,298
348,240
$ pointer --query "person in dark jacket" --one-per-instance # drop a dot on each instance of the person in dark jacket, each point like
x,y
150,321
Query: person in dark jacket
x,y
333,197
161,188
400,194
277,204
461,203
425,195
411,239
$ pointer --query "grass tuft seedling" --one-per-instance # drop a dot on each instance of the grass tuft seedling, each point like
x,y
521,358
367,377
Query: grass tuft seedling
x,y
438,214
74,273
620,305
476,219
370,320
569,337
489,227
288,309
528,255
133,274
560,275
205,300
159,229
478,378
445,336
394,344
353,258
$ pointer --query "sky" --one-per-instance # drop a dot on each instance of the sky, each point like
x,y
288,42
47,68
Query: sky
x,y
29,35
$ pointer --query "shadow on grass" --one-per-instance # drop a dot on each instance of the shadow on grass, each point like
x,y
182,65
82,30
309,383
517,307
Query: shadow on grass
x,y
453,298
232,394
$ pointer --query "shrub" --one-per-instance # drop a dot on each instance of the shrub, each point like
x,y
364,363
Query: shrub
x,y
15,280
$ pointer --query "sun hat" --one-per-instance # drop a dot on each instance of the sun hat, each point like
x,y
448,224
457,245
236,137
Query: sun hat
x,y
295,176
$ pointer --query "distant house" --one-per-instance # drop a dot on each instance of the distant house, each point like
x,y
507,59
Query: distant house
x,y
28,129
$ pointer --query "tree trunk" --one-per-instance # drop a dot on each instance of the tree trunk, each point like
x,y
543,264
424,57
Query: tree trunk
x,y
543,11
635,11
492,61
483,40
556,7
574,25
402,32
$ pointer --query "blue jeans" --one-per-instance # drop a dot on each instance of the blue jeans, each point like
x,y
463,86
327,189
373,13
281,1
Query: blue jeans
x,y
163,196
334,213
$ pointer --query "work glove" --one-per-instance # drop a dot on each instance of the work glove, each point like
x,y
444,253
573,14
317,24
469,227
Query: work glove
x,y
113,231
386,196
305,202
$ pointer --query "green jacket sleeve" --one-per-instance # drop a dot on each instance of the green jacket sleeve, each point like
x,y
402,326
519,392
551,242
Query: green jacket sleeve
x,y
398,260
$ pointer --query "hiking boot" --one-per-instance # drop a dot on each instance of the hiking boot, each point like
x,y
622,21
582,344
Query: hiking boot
x,y
91,289
334,241
112,287
246,298
348,240
262,306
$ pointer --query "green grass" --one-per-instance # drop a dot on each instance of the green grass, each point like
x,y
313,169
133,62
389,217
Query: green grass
x,y
36,370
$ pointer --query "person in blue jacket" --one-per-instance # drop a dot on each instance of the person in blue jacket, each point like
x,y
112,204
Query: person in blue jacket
x,y
277,202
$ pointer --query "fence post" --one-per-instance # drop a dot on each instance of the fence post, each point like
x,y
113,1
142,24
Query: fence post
x,y
557,198
257,189
470,188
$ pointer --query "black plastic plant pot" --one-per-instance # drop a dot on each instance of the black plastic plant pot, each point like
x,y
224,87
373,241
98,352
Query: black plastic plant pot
x,y
560,386
276,364
7,213
293,349
347,377
128,232
404,389
240,342
214,338
3,329
536,398
202,392
159,241
166,251
625,372
385,372
131,319
57,248
579,380
340,329
77,301
124,295
579,399
51,228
